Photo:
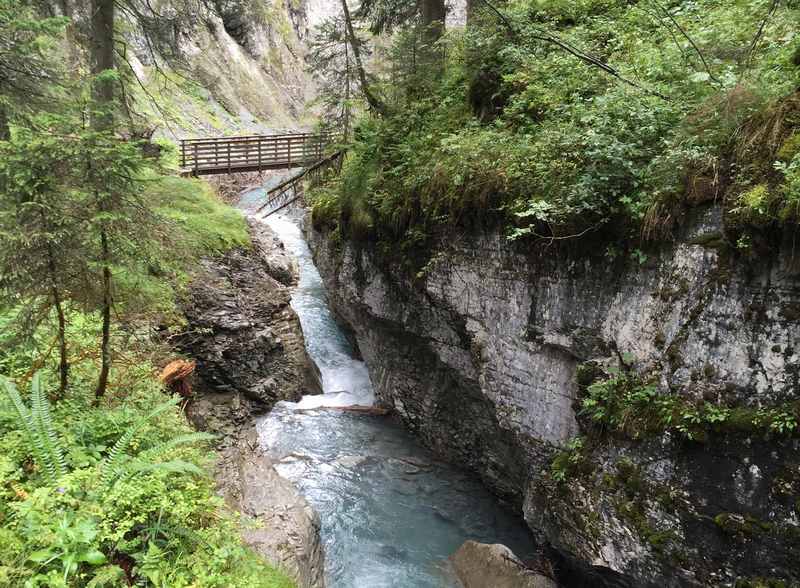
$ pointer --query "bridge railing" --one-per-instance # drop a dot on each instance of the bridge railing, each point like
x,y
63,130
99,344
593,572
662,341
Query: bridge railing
x,y
253,152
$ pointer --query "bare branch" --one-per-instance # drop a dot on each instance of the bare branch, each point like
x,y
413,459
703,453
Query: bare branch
x,y
688,38
546,36
760,32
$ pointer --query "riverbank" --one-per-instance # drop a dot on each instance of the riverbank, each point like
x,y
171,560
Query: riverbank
x,y
119,485
250,353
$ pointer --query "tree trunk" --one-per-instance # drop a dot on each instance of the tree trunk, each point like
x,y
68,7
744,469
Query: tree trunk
x,y
431,55
71,37
105,346
433,15
5,131
102,58
346,113
63,366
373,101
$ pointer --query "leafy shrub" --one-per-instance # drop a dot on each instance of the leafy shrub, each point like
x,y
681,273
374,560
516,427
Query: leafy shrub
x,y
625,403
100,495
791,189
522,133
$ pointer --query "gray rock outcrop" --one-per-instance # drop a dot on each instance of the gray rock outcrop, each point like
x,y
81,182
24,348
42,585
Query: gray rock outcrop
x,y
250,353
244,334
284,528
478,356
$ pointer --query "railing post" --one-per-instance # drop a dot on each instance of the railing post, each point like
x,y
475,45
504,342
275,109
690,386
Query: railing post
x,y
183,154
259,153
229,157
196,161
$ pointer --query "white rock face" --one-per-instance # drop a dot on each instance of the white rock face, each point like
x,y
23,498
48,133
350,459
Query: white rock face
x,y
246,64
478,356
317,11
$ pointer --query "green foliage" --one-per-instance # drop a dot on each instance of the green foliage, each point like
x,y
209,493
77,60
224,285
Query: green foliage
x,y
118,464
27,67
569,462
73,544
332,65
116,505
623,403
790,148
521,132
791,188
754,204
54,198
204,225
99,490
37,424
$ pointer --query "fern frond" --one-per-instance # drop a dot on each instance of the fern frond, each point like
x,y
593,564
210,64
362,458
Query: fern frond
x,y
160,449
110,467
169,529
40,412
175,466
27,423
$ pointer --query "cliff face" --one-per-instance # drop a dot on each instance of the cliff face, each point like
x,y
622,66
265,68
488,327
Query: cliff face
x,y
246,62
479,358
212,68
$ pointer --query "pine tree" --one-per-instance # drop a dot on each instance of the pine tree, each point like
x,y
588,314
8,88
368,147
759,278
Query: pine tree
x,y
330,61
39,235
28,74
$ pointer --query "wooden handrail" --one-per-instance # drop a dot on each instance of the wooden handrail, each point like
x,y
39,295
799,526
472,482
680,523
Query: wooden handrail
x,y
252,152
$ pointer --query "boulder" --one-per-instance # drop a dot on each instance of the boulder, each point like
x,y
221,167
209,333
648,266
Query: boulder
x,y
481,565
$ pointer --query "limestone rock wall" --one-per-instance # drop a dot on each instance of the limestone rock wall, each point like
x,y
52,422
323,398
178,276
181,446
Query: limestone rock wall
x,y
213,68
478,356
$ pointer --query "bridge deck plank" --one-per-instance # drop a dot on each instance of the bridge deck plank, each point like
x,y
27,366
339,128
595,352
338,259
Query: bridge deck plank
x,y
222,155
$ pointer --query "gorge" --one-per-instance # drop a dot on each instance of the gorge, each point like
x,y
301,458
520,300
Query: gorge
x,y
482,358
526,317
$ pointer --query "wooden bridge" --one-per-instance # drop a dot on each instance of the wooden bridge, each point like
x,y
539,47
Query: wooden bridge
x,y
227,155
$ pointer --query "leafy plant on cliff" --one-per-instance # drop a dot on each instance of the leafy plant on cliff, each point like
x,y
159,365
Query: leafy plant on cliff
x,y
622,402
568,462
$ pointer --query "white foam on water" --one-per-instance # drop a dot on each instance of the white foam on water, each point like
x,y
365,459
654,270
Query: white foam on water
x,y
345,379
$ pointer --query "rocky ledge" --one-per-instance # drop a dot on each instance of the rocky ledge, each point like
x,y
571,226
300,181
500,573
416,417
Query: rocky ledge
x,y
284,529
250,353
486,354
